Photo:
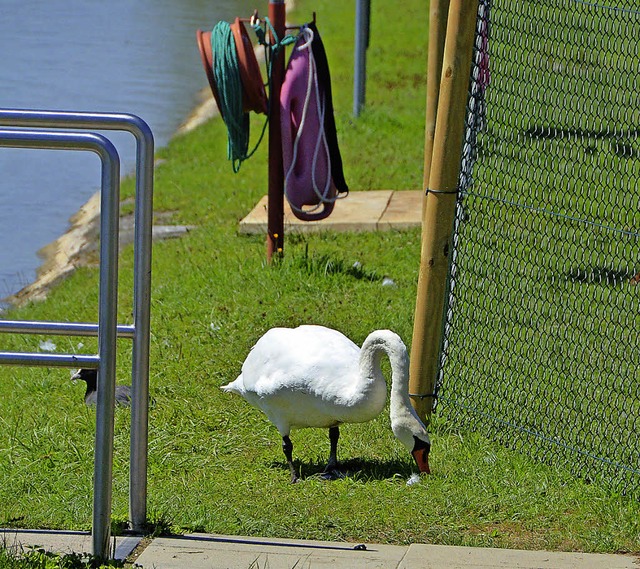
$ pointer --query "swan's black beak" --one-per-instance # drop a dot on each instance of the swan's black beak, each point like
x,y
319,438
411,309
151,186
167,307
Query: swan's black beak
x,y
420,452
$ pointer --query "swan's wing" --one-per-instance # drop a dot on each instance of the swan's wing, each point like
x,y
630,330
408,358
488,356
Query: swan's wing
x,y
307,359
309,377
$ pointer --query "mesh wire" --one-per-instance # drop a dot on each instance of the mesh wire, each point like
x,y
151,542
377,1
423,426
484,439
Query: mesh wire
x,y
541,348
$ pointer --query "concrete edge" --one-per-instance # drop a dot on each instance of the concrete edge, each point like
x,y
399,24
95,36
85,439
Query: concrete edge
x,y
63,541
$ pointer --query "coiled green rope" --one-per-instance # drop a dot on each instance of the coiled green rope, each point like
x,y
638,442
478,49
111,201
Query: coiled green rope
x,y
226,73
227,77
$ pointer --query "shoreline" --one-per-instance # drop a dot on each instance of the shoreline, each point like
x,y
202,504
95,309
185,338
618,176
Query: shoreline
x,y
78,246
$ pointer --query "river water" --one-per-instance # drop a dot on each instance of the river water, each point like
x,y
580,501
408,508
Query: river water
x,y
131,56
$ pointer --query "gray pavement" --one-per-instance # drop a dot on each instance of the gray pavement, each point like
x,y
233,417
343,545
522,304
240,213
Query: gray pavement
x,y
200,551
62,541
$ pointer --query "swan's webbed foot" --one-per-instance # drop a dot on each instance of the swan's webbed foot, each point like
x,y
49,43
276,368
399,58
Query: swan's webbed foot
x,y
331,465
332,473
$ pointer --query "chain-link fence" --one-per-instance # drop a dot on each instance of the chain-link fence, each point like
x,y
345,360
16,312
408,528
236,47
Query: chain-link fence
x,y
542,348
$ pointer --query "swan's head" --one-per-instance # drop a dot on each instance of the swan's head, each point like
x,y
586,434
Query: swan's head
x,y
416,439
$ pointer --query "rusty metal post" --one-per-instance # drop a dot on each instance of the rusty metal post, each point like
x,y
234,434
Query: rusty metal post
x,y
440,203
275,199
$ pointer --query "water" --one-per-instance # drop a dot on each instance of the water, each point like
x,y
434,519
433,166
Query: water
x,y
132,56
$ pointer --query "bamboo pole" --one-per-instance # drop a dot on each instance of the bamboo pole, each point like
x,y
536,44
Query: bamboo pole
x,y
275,196
437,31
440,201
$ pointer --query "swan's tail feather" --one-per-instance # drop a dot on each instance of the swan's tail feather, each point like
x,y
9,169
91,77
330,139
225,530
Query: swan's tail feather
x,y
236,386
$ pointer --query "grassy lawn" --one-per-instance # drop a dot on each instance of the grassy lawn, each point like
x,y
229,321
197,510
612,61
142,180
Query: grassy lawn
x,y
545,355
215,463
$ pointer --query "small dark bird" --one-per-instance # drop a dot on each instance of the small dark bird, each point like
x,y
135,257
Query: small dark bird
x,y
90,376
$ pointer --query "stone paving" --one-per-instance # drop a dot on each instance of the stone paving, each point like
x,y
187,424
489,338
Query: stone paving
x,y
207,551
377,210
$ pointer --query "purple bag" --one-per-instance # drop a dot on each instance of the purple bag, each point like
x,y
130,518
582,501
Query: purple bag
x,y
311,158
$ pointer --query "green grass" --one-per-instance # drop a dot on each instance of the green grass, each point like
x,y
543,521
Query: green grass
x,y
41,559
215,463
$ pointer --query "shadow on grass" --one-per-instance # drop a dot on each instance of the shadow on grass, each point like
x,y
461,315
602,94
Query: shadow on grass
x,y
358,469
326,265
601,275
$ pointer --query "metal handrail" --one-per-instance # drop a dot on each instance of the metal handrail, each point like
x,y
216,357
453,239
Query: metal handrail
x,y
60,328
49,360
142,274
105,361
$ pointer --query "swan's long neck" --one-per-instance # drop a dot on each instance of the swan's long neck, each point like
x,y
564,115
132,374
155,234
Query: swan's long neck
x,y
404,419
377,345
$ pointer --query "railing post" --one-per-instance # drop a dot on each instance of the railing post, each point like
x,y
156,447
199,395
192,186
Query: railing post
x,y
440,203
107,339
108,312
143,237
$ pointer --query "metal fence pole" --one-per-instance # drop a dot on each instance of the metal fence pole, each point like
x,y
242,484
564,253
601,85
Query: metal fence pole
x,y
59,328
107,326
142,322
142,274
363,17
49,360
439,209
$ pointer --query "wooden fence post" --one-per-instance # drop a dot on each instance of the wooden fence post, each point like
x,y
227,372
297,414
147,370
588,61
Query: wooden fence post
x,y
440,203
438,10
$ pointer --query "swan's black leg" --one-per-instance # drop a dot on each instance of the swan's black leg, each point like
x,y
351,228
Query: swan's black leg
x,y
332,465
287,448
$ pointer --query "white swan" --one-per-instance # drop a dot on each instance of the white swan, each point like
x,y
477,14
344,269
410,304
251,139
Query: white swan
x,y
312,376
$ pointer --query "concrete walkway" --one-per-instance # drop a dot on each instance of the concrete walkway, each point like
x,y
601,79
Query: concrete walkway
x,y
62,541
200,551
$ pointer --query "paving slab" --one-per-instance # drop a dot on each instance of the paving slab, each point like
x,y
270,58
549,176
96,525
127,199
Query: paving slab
x,y
403,212
61,541
376,210
200,551
451,557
